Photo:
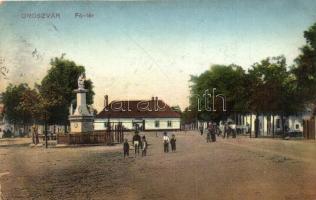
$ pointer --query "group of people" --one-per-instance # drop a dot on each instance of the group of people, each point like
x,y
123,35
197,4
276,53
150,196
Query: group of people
x,y
213,130
229,130
167,140
140,143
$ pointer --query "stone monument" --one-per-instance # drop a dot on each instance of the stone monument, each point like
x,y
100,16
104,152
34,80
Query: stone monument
x,y
81,120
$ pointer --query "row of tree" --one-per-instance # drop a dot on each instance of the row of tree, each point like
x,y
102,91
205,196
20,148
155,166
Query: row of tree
x,y
49,101
269,87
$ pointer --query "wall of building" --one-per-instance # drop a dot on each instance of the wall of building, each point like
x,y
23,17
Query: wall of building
x,y
101,124
150,123
294,123
174,123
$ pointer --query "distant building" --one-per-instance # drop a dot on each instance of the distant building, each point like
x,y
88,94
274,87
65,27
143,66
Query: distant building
x,y
146,115
267,124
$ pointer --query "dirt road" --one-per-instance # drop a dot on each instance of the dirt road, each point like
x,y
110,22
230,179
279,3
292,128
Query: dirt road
x,y
240,168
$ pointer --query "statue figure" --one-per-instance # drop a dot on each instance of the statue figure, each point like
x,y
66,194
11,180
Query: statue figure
x,y
81,80
71,110
91,110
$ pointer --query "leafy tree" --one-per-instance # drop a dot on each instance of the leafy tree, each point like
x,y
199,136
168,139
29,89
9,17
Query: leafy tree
x,y
188,116
59,85
305,68
12,98
28,102
267,77
36,105
229,81
273,89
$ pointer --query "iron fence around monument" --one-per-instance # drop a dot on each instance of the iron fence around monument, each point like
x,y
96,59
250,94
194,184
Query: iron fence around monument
x,y
105,137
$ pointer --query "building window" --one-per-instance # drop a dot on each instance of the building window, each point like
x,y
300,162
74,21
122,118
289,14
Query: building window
x,y
157,124
278,123
297,126
169,123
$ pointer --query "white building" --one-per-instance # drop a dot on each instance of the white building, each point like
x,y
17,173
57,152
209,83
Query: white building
x,y
146,115
267,124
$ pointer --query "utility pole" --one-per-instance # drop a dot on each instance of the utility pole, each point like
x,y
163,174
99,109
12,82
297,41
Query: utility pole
x,y
273,125
46,130
250,124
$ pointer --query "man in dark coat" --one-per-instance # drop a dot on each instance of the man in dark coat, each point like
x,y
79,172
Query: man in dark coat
x,y
126,148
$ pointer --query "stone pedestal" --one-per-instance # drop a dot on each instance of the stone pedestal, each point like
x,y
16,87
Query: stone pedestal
x,y
81,120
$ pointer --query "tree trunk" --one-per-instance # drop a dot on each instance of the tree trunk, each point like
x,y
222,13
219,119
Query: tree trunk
x,y
257,125
46,130
65,128
283,125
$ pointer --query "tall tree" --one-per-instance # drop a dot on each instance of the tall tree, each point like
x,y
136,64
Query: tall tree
x,y
12,98
59,83
305,67
273,89
229,81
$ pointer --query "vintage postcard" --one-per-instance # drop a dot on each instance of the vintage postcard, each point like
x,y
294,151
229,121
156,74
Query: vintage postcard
x,y
158,100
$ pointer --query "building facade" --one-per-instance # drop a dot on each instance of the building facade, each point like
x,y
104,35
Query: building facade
x,y
145,115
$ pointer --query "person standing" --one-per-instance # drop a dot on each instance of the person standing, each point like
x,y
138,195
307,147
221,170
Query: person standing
x,y
213,133
33,134
36,135
208,136
126,148
136,142
173,143
209,132
226,130
232,128
201,129
166,141
144,146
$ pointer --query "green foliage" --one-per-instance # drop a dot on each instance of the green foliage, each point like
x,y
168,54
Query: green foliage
x,y
274,89
12,98
229,81
50,100
268,87
305,68
188,116
59,84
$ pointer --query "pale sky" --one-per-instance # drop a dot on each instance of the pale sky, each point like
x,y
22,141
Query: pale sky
x,y
139,49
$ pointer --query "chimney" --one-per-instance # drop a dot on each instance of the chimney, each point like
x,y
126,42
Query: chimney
x,y
106,101
152,104
156,104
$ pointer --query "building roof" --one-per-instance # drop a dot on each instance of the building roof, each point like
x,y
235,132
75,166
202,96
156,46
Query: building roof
x,y
138,109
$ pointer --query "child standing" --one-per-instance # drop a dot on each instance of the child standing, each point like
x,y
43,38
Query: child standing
x,y
144,146
173,143
126,148
166,141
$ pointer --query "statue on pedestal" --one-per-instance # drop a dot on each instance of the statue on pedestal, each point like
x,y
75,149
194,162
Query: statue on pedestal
x,y
81,80
81,119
